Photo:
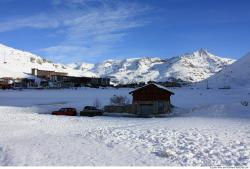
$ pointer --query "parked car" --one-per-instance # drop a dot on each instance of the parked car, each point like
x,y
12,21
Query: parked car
x,y
91,111
66,112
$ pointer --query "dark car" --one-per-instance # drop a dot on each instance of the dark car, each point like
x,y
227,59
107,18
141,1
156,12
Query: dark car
x,y
65,112
91,111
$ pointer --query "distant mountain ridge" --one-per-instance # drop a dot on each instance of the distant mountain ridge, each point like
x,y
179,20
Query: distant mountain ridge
x,y
193,67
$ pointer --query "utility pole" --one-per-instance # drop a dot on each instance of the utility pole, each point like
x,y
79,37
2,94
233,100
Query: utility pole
x,y
207,84
4,61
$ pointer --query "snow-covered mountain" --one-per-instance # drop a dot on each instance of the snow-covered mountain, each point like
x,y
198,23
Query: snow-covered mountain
x,y
191,67
234,76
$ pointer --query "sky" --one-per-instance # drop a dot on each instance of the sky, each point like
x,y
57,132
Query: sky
x,y
92,31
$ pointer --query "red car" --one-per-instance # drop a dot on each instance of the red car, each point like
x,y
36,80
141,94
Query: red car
x,y
65,112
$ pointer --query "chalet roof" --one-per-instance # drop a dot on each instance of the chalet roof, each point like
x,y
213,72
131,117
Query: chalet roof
x,y
157,85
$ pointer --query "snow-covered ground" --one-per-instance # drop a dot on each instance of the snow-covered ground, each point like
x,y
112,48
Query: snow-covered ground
x,y
209,128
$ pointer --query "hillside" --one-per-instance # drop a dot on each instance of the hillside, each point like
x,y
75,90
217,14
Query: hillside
x,y
191,67
19,63
234,76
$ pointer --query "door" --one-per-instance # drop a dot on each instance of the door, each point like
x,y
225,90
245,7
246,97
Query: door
x,y
161,107
146,109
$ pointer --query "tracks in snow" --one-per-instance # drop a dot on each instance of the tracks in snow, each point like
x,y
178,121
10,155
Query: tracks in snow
x,y
186,147
5,158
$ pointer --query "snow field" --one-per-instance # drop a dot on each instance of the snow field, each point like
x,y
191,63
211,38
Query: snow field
x,y
211,129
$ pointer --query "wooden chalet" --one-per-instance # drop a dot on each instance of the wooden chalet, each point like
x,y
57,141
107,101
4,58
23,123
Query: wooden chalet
x,y
151,99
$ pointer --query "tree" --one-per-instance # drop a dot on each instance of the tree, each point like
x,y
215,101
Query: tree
x,y
97,103
119,100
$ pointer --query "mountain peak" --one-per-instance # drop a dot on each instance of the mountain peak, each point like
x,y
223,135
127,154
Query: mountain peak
x,y
202,51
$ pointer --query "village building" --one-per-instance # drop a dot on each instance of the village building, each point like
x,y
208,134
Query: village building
x,y
151,99
9,82
5,82
24,83
54,79
46,74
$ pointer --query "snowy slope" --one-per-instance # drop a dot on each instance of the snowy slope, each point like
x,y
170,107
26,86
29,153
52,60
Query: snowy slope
x,y
196,66
19,64
235,75
192,67
130,70
81,66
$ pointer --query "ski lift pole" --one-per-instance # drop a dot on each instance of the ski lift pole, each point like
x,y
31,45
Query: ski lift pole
x,y
4,61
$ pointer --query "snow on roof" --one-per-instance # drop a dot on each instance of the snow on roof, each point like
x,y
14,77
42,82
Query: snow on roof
x,y
157,85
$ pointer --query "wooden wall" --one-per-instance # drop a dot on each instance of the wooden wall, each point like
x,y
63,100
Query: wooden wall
x,y
151,93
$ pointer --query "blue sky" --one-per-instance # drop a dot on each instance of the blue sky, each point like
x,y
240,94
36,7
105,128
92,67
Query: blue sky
x,y
96,30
